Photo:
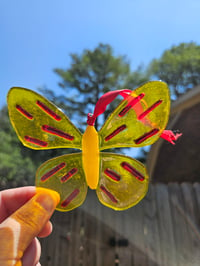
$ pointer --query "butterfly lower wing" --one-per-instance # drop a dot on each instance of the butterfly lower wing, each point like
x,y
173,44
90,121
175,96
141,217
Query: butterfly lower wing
x,y
65,175
139,120
39,124
123,181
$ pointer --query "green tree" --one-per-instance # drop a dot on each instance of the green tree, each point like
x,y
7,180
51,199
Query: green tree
x,y
15,168
90,75
18,163
179,67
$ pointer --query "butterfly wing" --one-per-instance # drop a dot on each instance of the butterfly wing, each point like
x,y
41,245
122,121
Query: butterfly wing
x,y
123,181
139,119
39,123
65,175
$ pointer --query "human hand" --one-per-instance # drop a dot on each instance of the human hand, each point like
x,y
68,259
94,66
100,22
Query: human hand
x,y
24,215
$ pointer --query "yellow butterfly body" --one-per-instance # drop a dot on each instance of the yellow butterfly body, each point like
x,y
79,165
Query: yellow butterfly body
x,y
90,156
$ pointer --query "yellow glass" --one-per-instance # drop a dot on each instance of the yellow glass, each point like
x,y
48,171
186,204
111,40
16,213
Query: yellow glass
x,y
120,181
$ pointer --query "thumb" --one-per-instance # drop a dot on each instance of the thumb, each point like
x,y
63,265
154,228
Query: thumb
x,y
18,230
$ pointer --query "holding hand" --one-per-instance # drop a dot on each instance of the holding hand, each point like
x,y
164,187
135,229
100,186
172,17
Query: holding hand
x,y
24,215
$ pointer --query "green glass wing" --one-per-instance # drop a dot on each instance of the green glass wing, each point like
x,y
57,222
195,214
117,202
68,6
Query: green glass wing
x,y
38,123
123,181
139,120
65,175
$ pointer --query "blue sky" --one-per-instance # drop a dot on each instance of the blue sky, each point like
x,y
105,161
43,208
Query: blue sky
x,y
37,36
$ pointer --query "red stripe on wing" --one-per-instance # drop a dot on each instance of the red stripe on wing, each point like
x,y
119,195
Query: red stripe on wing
x,y
109,194
132,170
146,136
150,109
57,132
35,141
47,110
115,132
70,198
131,104
110,173
52,172
24,112
71,173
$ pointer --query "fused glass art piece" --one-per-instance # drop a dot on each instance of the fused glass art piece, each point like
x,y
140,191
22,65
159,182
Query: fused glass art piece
x,y
120,181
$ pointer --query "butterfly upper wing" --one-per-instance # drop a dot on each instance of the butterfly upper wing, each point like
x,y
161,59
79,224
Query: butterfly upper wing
x,y
39,123
123,181
65,175
139,119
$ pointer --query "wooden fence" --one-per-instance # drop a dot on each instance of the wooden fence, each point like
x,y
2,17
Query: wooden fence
x,y
163,229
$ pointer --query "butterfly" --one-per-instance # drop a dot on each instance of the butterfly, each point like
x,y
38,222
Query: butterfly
x,y
120,181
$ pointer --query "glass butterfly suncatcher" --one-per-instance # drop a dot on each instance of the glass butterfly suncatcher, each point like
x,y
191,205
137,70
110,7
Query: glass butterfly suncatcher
x,y
120,181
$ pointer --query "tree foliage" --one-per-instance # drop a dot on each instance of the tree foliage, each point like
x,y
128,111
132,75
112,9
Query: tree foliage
x,y
18,164
15,168
179,67
90,75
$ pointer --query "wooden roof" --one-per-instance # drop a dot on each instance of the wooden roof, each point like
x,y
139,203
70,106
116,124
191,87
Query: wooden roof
x,y
180,162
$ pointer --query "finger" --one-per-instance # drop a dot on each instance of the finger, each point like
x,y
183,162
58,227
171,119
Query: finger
x,y
13,199
46,230
26,223
32,254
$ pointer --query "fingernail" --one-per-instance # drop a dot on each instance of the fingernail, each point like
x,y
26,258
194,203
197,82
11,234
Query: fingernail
x,y
47,198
